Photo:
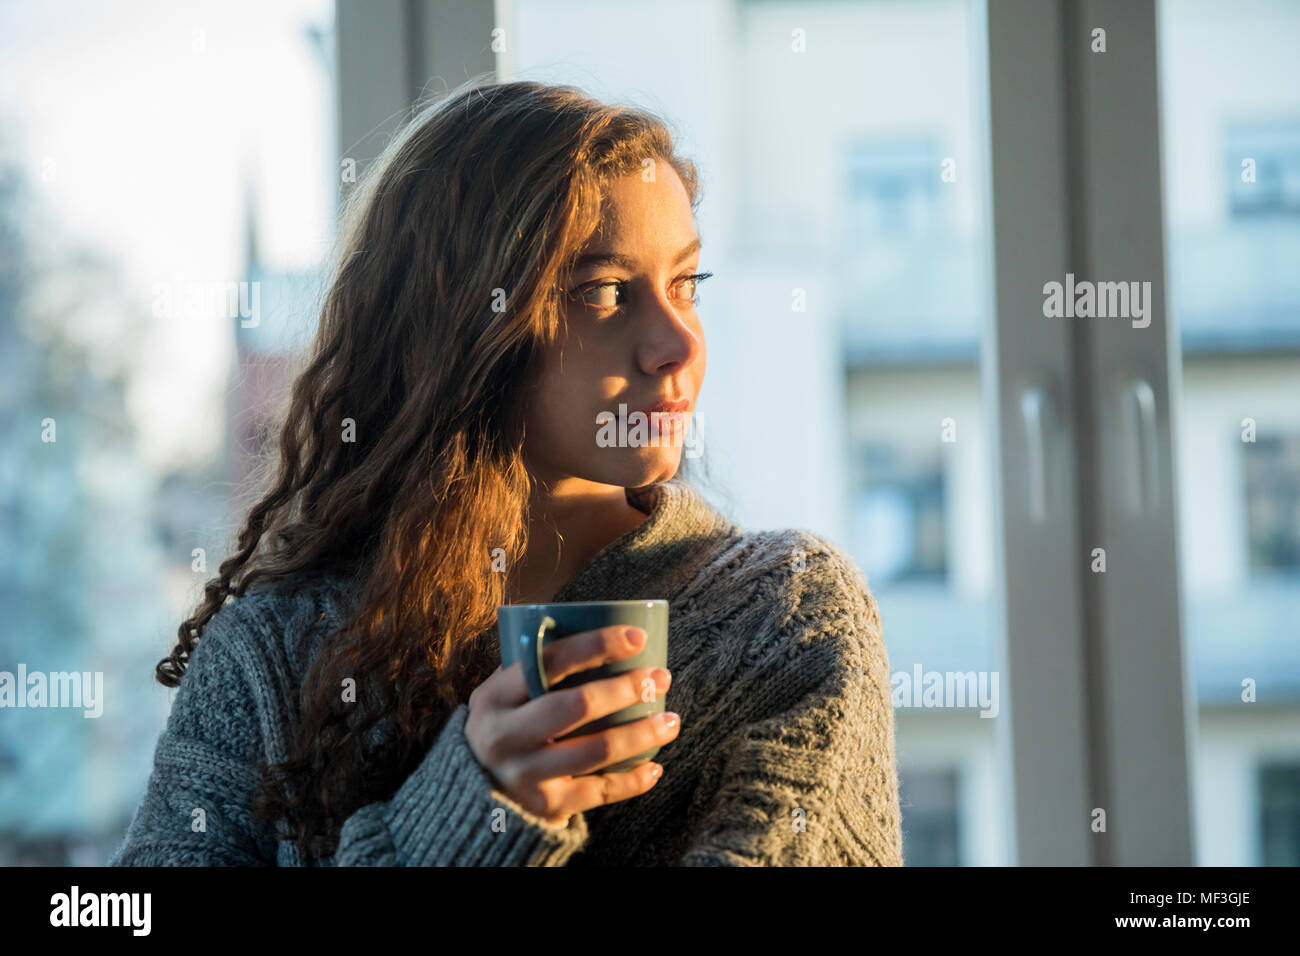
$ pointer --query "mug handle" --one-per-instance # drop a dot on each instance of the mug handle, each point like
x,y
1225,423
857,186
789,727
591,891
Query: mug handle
x,y
534,672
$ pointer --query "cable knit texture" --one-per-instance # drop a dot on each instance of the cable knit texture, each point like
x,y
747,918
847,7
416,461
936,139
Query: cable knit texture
x,y
780,675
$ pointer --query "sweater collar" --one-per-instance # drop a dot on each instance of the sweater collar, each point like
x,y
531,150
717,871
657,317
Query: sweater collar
x,y
654,559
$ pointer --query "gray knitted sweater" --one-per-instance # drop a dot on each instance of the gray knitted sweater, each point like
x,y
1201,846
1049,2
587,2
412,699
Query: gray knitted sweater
x,y
780,675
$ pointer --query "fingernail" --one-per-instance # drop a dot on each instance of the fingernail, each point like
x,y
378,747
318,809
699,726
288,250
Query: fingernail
x,y
635,636
662,676
669,720
655,770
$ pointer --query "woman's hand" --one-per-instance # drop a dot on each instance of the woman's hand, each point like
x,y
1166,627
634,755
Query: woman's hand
x,y
511,735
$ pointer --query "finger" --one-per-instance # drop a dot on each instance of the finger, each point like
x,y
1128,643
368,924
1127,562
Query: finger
x,y
527,727
504,687
520,732
561,658
589,649
591,752
596,790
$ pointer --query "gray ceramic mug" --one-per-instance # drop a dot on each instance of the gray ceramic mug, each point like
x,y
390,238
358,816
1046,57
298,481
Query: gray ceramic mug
x,y
525,629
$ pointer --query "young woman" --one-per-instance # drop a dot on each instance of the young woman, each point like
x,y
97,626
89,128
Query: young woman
x,y
519,264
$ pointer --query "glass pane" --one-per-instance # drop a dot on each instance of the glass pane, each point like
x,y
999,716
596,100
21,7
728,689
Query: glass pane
x,y
841,217
1231,150
166,195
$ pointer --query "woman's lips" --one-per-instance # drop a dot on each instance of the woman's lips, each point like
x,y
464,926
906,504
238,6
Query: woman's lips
x,y
667,417
668,406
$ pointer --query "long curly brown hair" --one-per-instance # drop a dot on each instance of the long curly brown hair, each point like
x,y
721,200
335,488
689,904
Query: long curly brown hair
x,y
400,456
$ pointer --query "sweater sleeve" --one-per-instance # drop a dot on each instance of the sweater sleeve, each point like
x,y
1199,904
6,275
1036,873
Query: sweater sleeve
x,y
808,775
197,807
447,813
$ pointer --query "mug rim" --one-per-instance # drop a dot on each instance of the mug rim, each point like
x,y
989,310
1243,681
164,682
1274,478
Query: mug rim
x,y
646,603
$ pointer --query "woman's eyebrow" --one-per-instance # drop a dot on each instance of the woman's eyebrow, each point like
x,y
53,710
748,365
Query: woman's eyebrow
x,y
626,262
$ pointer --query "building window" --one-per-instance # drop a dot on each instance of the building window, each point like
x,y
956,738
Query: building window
x,y
931,834
1279,814
893,188
898,515
1272,484
1275,149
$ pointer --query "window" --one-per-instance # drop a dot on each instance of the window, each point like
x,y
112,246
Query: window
x,y
931,834
893,188
1264,169
898,519
118,323
1272,486
1279,814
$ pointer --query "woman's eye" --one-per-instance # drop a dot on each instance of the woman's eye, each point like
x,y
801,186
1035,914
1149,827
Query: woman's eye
x,y
607,295
692,283
613,295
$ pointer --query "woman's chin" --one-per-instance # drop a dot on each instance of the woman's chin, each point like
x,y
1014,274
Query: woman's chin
x,y
643,466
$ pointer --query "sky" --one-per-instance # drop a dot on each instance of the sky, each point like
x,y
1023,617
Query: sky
x,y
138,122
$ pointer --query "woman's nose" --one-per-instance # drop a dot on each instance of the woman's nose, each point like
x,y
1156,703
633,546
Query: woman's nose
x,y
668,340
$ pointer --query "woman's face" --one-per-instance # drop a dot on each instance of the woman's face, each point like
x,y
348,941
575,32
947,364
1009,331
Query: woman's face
x,y
630,339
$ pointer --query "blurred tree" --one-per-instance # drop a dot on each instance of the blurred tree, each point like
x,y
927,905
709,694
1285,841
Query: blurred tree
x,y
80,586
